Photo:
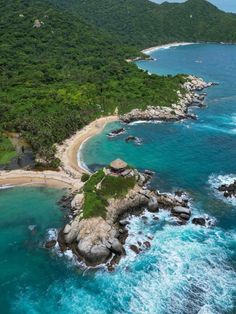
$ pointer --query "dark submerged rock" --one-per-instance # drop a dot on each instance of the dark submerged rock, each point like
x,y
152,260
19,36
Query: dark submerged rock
x,y
199,221
116,132
229,190
50,244
135,249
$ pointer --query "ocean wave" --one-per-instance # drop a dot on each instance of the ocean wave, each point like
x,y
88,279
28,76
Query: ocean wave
x,y
80,161
4,187
52,234
145,122
164,47
215,128
216,181
186,270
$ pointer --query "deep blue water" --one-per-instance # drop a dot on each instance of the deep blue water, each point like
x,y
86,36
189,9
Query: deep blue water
x,y
188,269
195,156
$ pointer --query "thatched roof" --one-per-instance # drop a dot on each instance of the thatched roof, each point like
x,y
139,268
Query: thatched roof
x,y
118,164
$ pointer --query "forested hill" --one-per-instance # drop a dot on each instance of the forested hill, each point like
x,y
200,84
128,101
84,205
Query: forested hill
x,y
57,73
144,23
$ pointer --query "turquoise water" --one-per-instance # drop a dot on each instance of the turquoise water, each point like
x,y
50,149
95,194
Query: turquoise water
x,y
188,269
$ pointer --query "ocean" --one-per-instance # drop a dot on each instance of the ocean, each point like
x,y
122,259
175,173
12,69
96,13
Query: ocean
x,y
188,269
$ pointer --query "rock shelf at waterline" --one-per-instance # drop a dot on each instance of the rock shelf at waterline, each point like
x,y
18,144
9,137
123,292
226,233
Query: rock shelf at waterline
x,y
228,190
97,232
175,112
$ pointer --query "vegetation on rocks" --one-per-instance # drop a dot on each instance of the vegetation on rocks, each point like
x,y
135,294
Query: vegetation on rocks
x,y
99,188
62,63
57,77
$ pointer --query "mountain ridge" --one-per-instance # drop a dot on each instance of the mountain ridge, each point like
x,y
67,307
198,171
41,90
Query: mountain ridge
x,y
142,23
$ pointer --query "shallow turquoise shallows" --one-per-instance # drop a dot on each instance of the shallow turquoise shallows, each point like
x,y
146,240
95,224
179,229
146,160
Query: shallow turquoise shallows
x,y
188,269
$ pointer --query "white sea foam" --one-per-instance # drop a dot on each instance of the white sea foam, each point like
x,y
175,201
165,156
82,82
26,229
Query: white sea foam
x,y
217,129
4,187
145,122
81,163
52,234
216,181
163,47
32,227
186,271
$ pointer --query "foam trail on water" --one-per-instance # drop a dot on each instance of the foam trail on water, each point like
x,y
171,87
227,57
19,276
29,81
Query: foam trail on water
x,y
4,187
185,271
145,122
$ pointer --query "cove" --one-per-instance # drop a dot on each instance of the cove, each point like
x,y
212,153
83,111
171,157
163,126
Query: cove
x,y
188,269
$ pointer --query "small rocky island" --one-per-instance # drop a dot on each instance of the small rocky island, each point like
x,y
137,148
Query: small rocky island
x,y
96,233
228,190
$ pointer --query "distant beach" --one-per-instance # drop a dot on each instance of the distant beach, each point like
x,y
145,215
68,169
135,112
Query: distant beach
x,y
166,46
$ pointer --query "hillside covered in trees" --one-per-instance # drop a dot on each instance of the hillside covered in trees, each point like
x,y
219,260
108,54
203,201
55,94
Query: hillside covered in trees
x,y
143,23
58,73
62,63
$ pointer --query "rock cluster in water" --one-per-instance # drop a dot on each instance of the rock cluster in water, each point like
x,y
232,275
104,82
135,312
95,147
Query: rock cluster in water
x,y
176,111
99,240
228,190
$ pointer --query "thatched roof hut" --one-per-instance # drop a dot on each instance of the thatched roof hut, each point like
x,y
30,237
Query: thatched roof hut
x,y
118,165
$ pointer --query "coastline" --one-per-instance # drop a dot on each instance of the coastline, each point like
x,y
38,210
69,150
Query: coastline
x,y
71,171
70,149
56,179
68,152
147,51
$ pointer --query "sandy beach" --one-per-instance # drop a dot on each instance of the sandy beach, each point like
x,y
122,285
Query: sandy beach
x,y
71,170
57,179
167,46
68,151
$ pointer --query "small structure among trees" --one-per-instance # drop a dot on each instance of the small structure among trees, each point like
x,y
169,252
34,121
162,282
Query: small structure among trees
x,y
118,166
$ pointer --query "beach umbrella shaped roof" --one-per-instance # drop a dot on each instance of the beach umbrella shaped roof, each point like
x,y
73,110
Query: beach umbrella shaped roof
x,y
118,164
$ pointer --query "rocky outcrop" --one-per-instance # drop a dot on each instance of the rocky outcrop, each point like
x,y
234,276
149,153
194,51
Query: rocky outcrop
x,y
199,221
134,139
228,190
99,240
116,132
50,244
205,221
181,212
174,112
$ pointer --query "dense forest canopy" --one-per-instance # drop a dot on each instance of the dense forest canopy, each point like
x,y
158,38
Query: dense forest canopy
x,y
62,63
143,23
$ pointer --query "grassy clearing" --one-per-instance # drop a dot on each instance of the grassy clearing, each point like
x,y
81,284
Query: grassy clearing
x,y
7,150
116,187
94,205
96,199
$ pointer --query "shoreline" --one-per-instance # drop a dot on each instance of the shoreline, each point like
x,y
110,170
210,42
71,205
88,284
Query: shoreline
x,y
56,179
69,152
71,170
147,51
70,149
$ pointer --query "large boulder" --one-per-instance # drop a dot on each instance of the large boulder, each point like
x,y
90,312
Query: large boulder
x,y
96,240
199,221
153,205
181,210
77,201
182,213
71,231
117,247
